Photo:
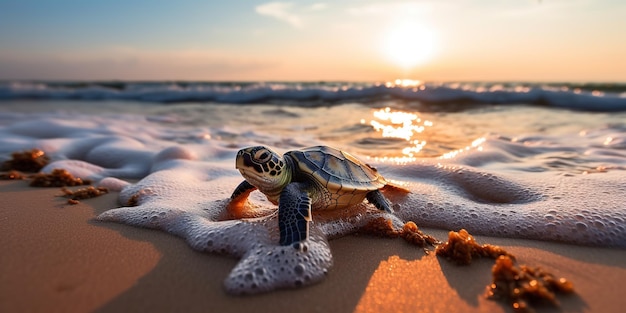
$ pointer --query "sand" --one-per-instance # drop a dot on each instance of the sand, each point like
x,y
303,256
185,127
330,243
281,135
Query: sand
x,y
56,258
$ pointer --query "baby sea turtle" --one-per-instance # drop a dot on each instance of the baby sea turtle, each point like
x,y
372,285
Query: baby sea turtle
x,y
315,178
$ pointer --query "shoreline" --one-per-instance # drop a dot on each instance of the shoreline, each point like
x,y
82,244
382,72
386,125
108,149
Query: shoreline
x,y
59,259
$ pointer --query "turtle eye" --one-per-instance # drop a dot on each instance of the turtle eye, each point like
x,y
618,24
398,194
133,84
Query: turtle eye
x,y
262,155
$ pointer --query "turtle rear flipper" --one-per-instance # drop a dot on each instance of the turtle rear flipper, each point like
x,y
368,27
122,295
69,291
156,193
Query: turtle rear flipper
x,y
294,214
379,201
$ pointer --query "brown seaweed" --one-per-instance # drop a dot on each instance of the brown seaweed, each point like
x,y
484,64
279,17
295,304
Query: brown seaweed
x,y
30,161
461,248
522,285
12,175
410,232
58,178
83,193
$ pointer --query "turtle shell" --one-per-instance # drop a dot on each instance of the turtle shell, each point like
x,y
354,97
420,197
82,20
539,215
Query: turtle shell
x,y
336,170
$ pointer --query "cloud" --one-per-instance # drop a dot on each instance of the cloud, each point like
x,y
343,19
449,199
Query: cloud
x,y
393,9
281,11
288,12
318,6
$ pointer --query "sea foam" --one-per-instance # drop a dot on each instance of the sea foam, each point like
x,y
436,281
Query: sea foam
x,y
502,187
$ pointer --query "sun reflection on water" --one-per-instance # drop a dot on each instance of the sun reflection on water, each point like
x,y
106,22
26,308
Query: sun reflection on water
x,y
408,133
402,125
406,83
476,144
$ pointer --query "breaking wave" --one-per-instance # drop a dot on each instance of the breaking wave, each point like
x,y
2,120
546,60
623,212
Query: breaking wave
x,y
586,97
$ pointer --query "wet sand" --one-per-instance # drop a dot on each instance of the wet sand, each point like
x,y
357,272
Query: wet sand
x,y
56,258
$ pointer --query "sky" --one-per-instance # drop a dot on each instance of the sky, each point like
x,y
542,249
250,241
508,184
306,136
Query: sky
x,y
341,40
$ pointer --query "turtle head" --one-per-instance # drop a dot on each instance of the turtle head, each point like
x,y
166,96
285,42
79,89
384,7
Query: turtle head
x,y
264,169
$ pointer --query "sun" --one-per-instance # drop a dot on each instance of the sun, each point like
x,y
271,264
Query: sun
x,y
409,44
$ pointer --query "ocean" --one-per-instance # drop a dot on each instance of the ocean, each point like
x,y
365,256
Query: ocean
x,y
521,160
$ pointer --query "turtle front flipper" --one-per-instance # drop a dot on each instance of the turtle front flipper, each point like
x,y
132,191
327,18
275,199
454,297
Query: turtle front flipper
x,y
242,191
235,207
379,201
294,214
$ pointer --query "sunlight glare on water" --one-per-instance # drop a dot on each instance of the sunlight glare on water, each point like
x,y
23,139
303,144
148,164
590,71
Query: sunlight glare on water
x,y
402,125
406,83
476,144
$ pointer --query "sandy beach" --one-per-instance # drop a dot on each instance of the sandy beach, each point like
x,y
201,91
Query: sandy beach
x,y
239,148
58,259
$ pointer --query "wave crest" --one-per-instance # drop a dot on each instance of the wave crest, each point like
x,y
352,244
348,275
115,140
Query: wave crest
x,y
599,97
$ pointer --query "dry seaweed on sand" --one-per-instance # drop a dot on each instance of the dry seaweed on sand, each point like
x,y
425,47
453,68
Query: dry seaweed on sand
x,y
84,193
522,285
519,285
461,248
58,178
12,175
30,161
410,232
381,227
